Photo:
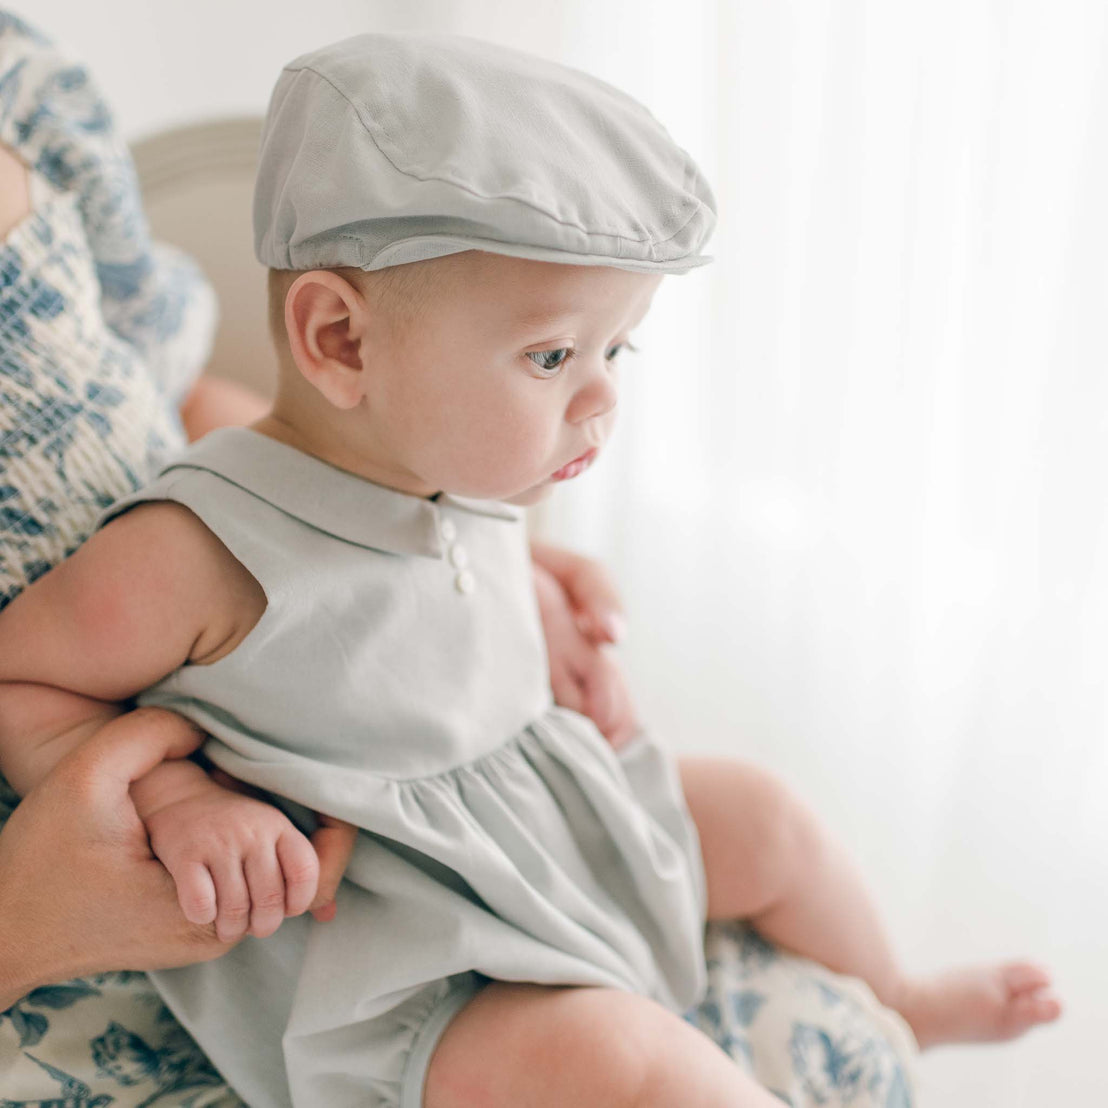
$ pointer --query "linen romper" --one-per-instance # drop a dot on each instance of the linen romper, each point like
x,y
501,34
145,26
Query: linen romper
x,y
398,680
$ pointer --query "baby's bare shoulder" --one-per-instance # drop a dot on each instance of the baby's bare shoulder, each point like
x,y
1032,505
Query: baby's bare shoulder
x,y
164,544
150,591
198,574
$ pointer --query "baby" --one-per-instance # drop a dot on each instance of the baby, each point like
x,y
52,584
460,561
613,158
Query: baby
x,y
461,241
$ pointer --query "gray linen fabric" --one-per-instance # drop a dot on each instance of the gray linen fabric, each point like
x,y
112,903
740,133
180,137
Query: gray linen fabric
x,y
441,143
388,685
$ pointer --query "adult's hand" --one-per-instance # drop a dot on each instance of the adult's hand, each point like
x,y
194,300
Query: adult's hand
x,y
585,674
80,891
590,595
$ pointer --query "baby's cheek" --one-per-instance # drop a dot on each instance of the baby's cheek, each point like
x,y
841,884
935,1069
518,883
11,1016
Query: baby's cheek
x,y
497,462
527,467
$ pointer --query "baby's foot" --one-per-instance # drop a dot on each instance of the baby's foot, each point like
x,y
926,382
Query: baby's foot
x,y
979,1004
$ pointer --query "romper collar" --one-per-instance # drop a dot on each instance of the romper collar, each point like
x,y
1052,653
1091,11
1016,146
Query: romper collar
x,y
354,508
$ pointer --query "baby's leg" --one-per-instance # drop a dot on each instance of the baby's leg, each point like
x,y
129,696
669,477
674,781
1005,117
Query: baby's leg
x,y
532,1046
768,860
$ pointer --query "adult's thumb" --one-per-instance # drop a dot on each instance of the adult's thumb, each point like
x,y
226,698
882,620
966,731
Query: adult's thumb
x,y
127,748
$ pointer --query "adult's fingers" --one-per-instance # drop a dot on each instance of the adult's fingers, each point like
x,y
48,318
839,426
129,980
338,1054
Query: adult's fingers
x,y
599,694
608,699
566,688
590,590
625,729
601,625
334,842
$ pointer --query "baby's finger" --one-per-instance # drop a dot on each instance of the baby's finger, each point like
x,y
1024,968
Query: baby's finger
x,y
232,908
300,866
266,885
334,842
195,891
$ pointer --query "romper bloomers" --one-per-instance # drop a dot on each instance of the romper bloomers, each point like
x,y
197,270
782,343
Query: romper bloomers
x,y
398,680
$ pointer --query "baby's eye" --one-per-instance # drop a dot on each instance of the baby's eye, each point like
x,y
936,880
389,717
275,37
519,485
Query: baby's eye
x,y
619,348
550,361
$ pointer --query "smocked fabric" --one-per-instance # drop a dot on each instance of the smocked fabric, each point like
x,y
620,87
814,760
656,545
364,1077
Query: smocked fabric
x,y
101,331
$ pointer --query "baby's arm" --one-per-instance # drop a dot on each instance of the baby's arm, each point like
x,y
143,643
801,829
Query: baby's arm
x,y
148,593
94,631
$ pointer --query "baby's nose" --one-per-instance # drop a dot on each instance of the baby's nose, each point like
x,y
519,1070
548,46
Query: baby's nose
x,y
596,397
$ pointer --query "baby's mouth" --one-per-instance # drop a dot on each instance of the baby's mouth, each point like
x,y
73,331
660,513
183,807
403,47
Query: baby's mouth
x,y
578,465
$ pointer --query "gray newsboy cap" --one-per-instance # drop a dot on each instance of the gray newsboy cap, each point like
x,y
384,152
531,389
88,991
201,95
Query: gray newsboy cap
x,y
385,149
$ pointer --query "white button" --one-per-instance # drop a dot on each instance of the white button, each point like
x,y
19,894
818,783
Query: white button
x,y
465,582
449,531
458,556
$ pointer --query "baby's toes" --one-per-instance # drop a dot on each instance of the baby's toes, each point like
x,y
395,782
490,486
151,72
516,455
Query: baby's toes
x,y
1024,977
1027,1010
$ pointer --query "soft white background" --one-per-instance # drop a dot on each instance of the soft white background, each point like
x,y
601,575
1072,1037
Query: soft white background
x,y
857,503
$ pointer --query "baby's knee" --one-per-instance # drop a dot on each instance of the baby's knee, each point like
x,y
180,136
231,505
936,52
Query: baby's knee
x,y
743,810
774,804
779,831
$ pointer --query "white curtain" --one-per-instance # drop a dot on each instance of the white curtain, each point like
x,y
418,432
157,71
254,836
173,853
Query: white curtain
x,y
858,504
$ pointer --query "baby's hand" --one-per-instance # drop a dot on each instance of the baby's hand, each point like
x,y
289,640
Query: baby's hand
x,y
237,861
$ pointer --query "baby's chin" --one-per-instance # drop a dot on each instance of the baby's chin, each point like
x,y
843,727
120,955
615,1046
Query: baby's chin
x,y
530,496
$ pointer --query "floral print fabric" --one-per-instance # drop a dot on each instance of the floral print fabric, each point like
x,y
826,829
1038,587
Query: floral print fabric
x,y
101,331
812,1037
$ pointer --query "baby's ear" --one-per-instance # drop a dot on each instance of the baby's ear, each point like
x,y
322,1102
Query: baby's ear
x,y
325,319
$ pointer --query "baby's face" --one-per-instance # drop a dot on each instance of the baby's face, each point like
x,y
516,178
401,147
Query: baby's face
x,y
507,382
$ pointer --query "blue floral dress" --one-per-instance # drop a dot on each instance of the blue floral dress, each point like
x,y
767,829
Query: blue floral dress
x,y
101,334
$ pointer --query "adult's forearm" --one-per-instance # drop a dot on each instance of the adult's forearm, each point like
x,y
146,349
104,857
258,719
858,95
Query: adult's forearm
x,y
14,980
